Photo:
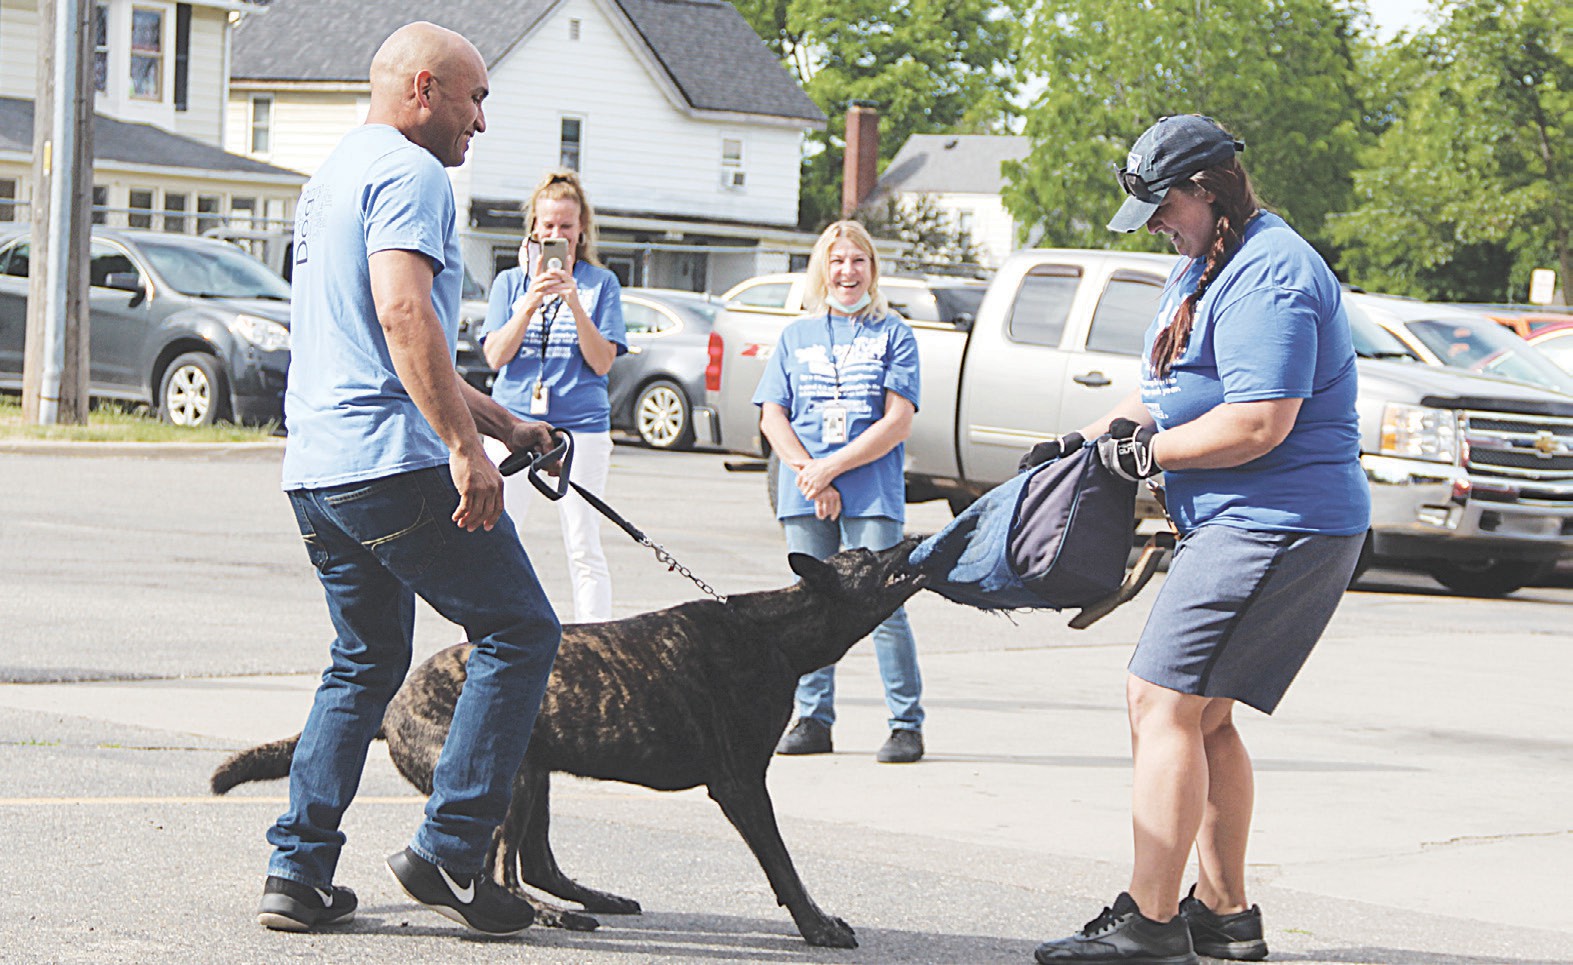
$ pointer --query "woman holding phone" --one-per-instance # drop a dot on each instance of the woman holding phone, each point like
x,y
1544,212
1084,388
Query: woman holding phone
x,y
553,329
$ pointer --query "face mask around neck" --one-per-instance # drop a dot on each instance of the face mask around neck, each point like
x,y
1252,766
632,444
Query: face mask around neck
x,y
853,308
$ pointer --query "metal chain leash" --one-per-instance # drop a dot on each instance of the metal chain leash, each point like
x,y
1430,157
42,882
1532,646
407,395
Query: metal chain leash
x,y
673,566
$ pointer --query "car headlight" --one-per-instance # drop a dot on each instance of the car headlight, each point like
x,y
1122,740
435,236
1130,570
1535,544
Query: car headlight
x,y
1420,432
264,333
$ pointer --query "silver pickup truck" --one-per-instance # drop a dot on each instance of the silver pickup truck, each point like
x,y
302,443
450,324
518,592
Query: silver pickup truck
x,y
1471,477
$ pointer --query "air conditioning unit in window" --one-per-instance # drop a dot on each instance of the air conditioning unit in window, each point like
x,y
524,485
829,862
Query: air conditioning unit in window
x,y
732,179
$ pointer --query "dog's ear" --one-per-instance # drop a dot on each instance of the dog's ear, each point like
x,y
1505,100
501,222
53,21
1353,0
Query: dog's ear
x,y
816,573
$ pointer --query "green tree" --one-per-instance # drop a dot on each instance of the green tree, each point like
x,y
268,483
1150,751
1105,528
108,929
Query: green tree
x,y
1469,188
930,66
931,238
1280,74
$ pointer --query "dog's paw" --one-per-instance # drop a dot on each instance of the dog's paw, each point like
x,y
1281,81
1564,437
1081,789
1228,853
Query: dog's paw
x,y
605,904
548,915
830,932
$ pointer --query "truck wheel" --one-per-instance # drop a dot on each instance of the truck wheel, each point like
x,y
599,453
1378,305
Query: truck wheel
x,y
662,416
772,476
193,391
1486,577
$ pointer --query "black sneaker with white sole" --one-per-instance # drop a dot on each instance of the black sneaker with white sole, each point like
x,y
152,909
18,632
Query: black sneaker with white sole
x,y
1236,937
291,906
473,900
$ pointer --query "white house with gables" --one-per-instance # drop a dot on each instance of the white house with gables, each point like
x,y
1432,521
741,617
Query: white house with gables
x,y
685,129
961,173
162,76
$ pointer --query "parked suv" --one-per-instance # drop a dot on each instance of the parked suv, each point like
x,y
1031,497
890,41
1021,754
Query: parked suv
x,y
195,328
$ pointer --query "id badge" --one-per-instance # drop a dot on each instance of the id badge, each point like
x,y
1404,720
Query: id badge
x,y
540,400
833,424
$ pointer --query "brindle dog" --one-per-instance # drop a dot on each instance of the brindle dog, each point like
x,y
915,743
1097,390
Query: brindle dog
x,y
695,694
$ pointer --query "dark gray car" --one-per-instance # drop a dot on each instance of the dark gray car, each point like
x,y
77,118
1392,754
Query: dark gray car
x,y
196,328
653,386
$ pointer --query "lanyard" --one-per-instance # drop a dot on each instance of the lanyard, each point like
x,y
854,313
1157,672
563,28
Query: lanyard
x,y
548,314
830,331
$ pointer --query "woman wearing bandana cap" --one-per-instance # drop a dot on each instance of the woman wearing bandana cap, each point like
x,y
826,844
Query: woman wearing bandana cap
x,y
1247,408
836,402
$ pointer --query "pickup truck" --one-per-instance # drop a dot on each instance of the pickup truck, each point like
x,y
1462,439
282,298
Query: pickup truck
x,y
1471,477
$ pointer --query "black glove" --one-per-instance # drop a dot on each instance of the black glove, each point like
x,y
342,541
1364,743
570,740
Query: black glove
x,y
1126,450
1049,451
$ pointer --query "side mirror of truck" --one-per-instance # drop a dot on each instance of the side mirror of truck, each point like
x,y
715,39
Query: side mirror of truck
x,y
963,322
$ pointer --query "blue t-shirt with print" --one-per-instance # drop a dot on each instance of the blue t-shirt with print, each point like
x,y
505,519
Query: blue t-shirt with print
x,y
349,417
824,358
575,395
1271,326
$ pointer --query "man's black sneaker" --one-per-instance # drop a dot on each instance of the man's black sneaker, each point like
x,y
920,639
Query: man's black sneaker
x,y
807,736
473,900
901,747
1237,937
1122,934
291,906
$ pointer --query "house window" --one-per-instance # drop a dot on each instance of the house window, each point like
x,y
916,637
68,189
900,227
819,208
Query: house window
x,y
141,205
147,53
572,143
573,29
182,56
100,204
261,123
732,175
242,212
7,199
101,47
208,208
175,212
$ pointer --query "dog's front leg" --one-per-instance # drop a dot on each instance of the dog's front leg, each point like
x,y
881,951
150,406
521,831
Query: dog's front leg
x,y
746,803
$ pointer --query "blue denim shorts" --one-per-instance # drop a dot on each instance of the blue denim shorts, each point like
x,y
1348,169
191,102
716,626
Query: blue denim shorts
x,y
1240,611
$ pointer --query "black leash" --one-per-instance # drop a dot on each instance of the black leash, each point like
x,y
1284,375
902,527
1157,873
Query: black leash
x,y
562,456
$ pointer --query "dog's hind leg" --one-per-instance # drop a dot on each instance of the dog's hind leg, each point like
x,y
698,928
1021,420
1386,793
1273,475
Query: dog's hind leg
x,y
502,862
746,803
527,842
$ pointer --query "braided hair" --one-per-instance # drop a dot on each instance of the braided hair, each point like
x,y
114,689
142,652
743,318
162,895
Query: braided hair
x,y
1234,204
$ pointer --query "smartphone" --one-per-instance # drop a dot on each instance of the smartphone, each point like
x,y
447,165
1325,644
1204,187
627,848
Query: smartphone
x,y
554,254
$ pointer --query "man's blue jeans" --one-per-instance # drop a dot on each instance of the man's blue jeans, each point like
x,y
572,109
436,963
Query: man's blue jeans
x,y
894,646
377,545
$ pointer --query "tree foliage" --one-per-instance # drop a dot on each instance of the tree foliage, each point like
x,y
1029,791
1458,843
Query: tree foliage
x,y
1471,186
1279,74
930,237
930,66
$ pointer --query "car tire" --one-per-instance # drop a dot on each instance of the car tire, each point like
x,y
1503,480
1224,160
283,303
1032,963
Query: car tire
x,y
1486,577
663,416
193,391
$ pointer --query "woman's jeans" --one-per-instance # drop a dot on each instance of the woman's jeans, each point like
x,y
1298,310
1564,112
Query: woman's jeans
x,y
894,646
377,545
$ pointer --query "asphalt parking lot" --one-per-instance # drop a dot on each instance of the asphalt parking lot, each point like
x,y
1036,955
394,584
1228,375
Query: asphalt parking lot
x,y
157,612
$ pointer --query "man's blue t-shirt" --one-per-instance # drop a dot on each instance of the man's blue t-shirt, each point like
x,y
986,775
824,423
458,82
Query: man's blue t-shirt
x,y
575,395
348,416
823,358
1271,326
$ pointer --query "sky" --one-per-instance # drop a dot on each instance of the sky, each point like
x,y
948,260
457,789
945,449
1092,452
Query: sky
x,y
1391,16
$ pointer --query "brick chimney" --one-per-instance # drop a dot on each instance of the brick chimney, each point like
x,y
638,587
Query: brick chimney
x,y
861,167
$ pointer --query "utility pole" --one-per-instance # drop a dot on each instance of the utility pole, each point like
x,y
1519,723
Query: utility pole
x,y
55,364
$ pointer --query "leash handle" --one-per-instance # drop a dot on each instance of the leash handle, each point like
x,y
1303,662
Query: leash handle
x,y
536,462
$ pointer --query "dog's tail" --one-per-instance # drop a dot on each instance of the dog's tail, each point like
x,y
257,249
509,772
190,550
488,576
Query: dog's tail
x,y
265,762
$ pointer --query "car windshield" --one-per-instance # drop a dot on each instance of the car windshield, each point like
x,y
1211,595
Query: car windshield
x,y
1559,349
215,270
1372,341
698,306
1484,346
961,300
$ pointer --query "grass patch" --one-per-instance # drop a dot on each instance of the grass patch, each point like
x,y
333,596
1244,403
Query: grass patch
x,y
111,421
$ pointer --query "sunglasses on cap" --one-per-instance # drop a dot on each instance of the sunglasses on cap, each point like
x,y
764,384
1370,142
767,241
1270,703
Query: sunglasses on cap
x,y
1132,184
